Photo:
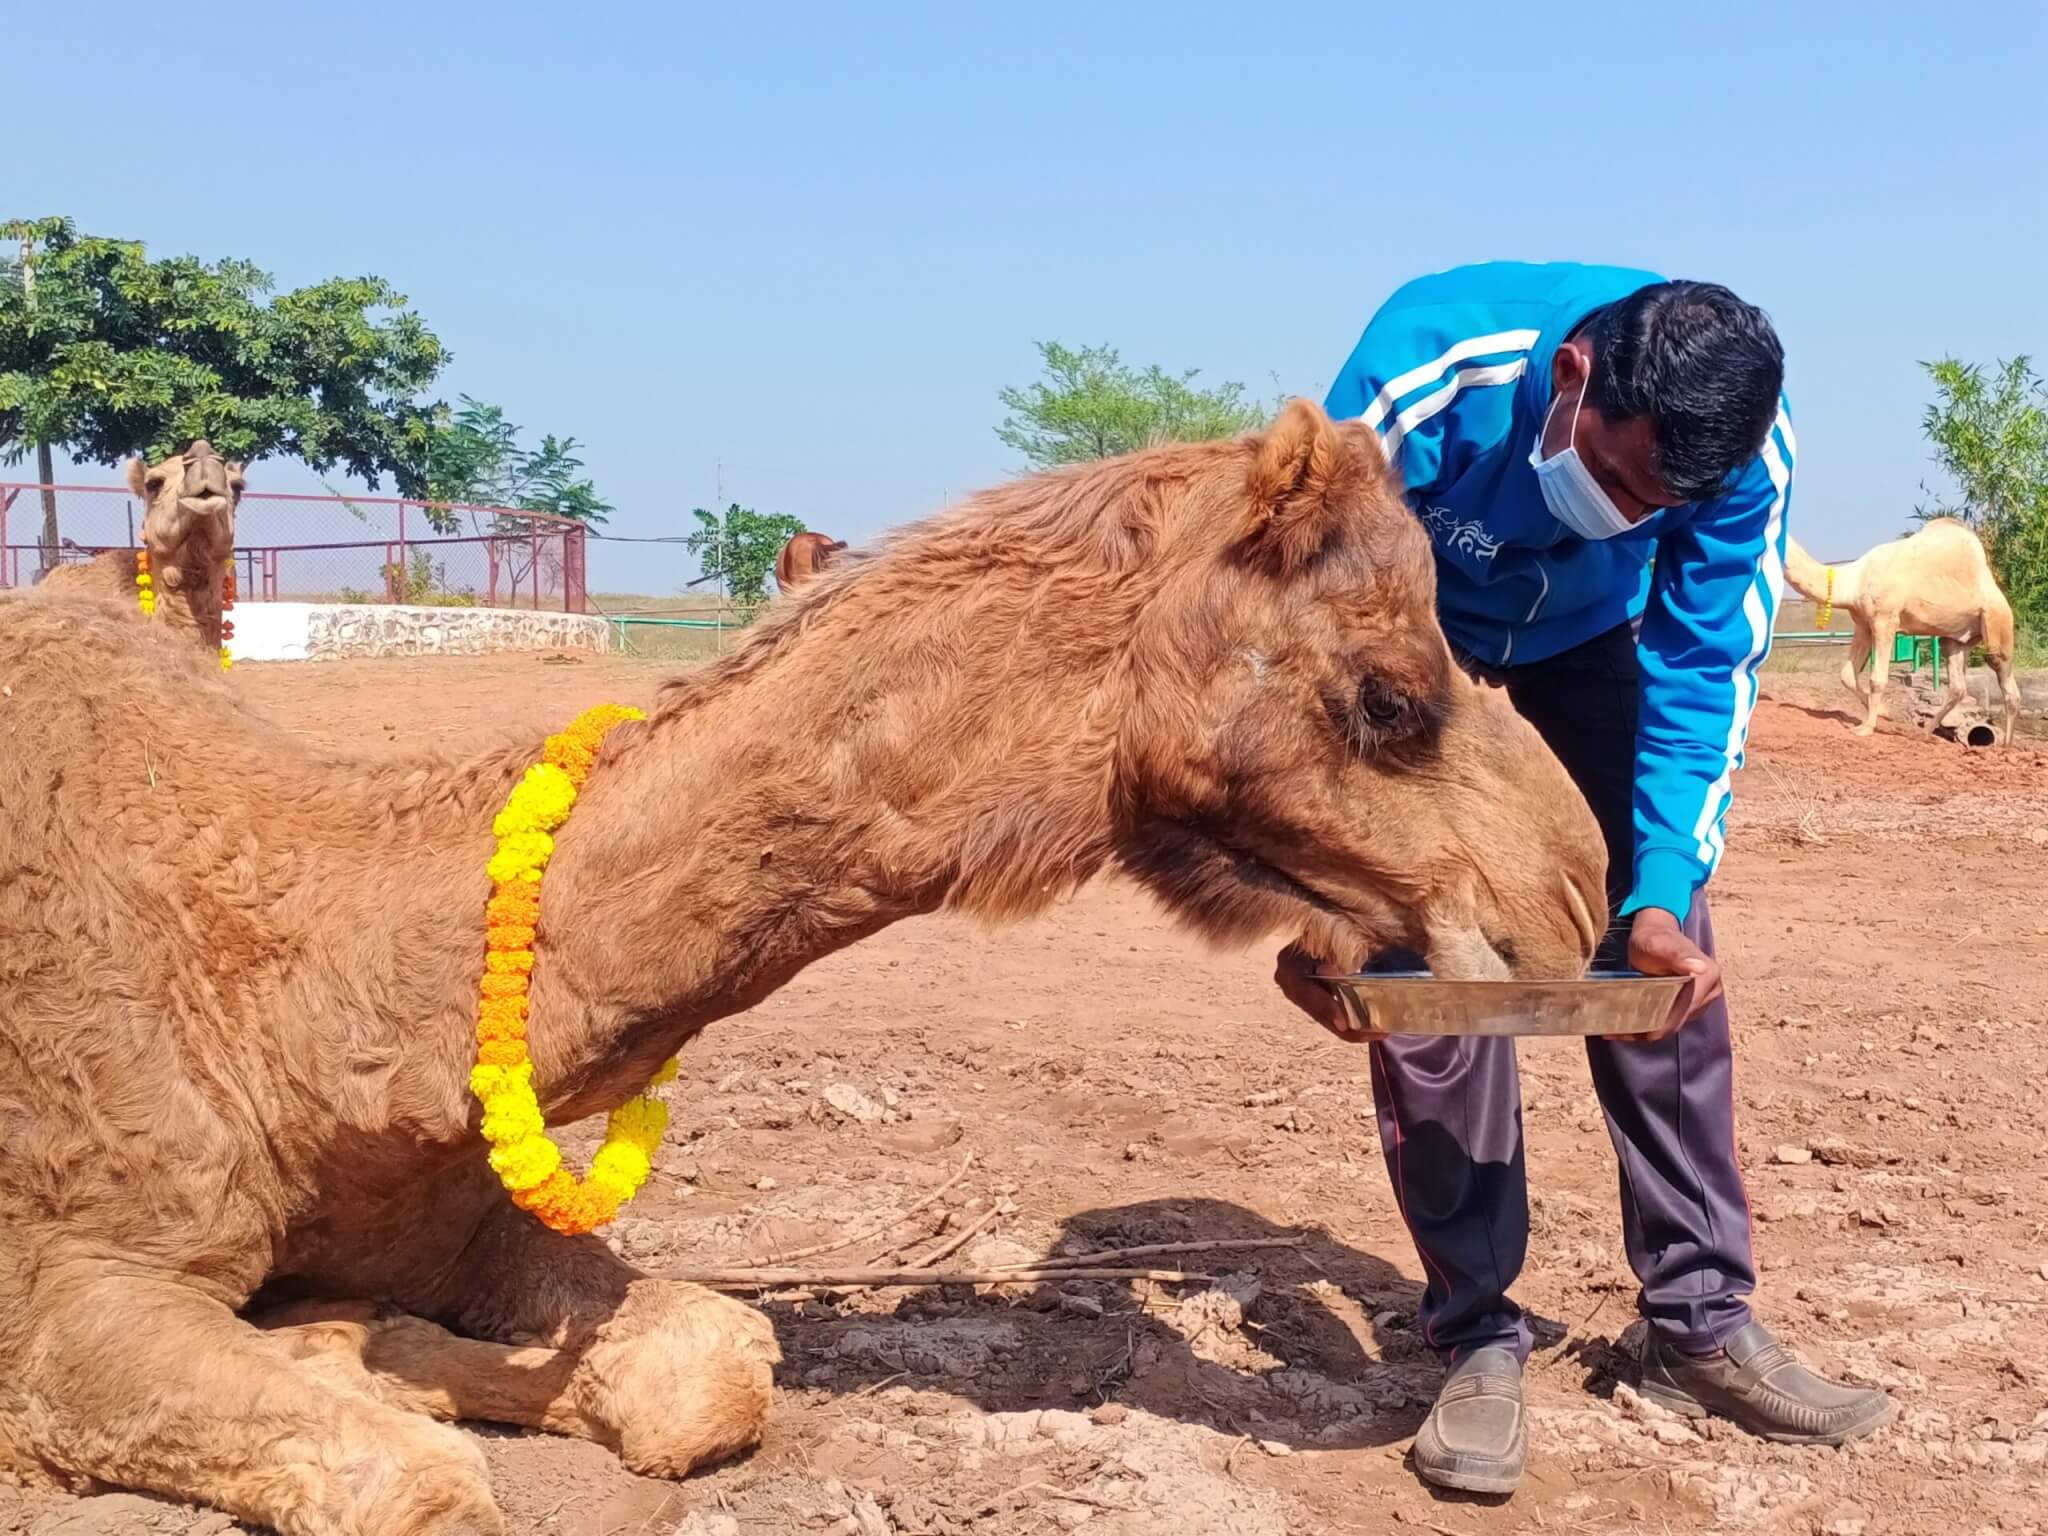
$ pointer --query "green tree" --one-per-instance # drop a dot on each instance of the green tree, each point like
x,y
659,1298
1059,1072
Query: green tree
x,y
1091,405
1990,434
106,353
473,455
738,550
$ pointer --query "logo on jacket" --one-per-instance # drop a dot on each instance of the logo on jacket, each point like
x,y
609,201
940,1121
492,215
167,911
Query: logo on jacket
x,y
1451,531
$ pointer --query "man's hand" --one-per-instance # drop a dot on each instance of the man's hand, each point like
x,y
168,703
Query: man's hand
x,y
1296,971
1657,946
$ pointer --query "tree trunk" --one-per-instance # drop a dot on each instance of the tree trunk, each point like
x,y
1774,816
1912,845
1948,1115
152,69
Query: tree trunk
x,y
45,475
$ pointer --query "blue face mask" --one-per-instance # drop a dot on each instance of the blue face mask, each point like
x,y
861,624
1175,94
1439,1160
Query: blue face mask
x,y
1569,490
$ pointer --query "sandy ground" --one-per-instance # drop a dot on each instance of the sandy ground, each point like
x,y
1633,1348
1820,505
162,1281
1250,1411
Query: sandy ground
x,y
1886,944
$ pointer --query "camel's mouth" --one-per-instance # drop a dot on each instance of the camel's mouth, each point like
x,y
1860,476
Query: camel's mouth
x,y
209,504
1235,894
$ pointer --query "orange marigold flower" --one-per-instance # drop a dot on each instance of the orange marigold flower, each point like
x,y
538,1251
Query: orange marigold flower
x,y
502,1012
494,985
515,904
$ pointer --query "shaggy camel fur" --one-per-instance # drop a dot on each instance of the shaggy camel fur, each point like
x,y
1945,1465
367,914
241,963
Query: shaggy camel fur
x,y
803,557
188,527
237,977
1933,582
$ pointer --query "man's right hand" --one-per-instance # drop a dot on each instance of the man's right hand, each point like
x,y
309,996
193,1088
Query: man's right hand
x,y
1296,972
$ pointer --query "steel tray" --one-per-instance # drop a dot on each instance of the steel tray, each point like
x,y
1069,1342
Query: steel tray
x,y
1417,1003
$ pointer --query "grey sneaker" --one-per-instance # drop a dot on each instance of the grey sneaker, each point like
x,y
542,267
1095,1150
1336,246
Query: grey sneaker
x,y
1476,1437
1755,1383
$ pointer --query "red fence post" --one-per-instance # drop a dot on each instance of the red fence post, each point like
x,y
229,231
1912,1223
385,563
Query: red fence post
x,y
575,574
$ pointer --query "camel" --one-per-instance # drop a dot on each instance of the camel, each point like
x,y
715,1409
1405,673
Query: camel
x,y
1933,582
803,557
188,527
251,1252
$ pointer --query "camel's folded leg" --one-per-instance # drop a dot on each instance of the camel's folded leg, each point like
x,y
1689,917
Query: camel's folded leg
x,y
672,1376
146,1383
420,1366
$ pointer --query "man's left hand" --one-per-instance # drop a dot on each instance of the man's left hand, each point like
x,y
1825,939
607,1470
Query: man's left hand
x,y
1658,946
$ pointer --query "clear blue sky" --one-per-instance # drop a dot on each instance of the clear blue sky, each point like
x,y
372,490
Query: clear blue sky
x,y
810,243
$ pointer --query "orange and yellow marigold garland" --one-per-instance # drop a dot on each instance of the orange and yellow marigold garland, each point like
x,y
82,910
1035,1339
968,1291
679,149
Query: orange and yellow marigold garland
x,y
526,1160
145,584
227,604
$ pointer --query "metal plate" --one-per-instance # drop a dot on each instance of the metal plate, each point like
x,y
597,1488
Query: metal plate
x,y
1416,1003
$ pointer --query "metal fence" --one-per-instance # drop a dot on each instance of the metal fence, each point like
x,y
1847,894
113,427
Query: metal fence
x,y
331,549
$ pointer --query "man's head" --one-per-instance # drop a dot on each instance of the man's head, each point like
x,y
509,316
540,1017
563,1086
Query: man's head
x,y
1675,386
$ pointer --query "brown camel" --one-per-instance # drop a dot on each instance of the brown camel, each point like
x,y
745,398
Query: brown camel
x,y
238,978
803,557
188,527
1936,581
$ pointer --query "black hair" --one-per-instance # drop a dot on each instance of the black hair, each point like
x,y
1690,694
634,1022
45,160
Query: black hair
x,y
1706,369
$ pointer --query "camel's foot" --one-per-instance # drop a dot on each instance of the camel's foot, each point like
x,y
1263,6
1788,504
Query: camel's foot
x,y
426,1480
1867,728
681,1377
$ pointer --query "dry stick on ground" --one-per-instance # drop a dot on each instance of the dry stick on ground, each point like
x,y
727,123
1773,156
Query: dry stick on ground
x,y
959,1239
875,1231
1153,1251
853,1279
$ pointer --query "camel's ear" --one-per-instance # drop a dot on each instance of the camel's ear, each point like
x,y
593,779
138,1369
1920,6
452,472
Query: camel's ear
x,y
138,476
1300,479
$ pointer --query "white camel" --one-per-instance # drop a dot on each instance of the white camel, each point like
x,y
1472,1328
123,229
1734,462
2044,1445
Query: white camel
x,y
1933,582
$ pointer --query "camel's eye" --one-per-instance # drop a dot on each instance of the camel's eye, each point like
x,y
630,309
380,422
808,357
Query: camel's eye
x,y
154,480
1387,710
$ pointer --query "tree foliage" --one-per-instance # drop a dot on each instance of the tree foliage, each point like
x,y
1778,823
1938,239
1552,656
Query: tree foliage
x,y
107,353
738,549
1091,405
473,454
1990,434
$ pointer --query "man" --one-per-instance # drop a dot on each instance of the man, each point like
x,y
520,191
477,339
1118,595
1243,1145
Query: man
x,y
1603,461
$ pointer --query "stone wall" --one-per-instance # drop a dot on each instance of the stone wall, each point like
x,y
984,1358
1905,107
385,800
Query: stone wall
x,y
331,631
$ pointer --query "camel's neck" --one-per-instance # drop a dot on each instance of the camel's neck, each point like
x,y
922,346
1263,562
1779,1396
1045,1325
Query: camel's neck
x,y
787,809
189,590
1812,579
778,806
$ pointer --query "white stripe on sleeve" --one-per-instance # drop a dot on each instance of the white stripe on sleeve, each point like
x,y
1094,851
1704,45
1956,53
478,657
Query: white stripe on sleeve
x,y
1436,400
1415,378
1708,830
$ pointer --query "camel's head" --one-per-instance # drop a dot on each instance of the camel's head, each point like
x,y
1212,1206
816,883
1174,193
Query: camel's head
x,y
803,557
1300,754
188,525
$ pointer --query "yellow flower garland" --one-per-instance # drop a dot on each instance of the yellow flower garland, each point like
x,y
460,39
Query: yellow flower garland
x,y
227,605
526,1160
145,584
1827,607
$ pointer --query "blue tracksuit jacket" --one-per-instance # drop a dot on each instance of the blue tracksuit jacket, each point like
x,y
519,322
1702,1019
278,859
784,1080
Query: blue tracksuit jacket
x,y
1454,374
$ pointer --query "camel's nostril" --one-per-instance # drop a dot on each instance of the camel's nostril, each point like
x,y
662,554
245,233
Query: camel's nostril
x,y
1582,917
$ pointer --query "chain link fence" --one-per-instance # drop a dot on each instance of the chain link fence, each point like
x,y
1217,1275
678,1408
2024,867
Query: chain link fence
x,y
329,549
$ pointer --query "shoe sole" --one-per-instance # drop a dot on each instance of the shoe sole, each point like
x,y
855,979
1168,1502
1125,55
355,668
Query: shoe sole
x,y
1688,1406
1469,1482
1471,1474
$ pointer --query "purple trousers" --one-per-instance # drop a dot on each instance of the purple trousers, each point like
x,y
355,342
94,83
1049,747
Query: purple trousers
x,y
1450,1108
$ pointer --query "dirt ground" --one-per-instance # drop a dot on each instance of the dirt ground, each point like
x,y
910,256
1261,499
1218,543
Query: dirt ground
x,y
1886,944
